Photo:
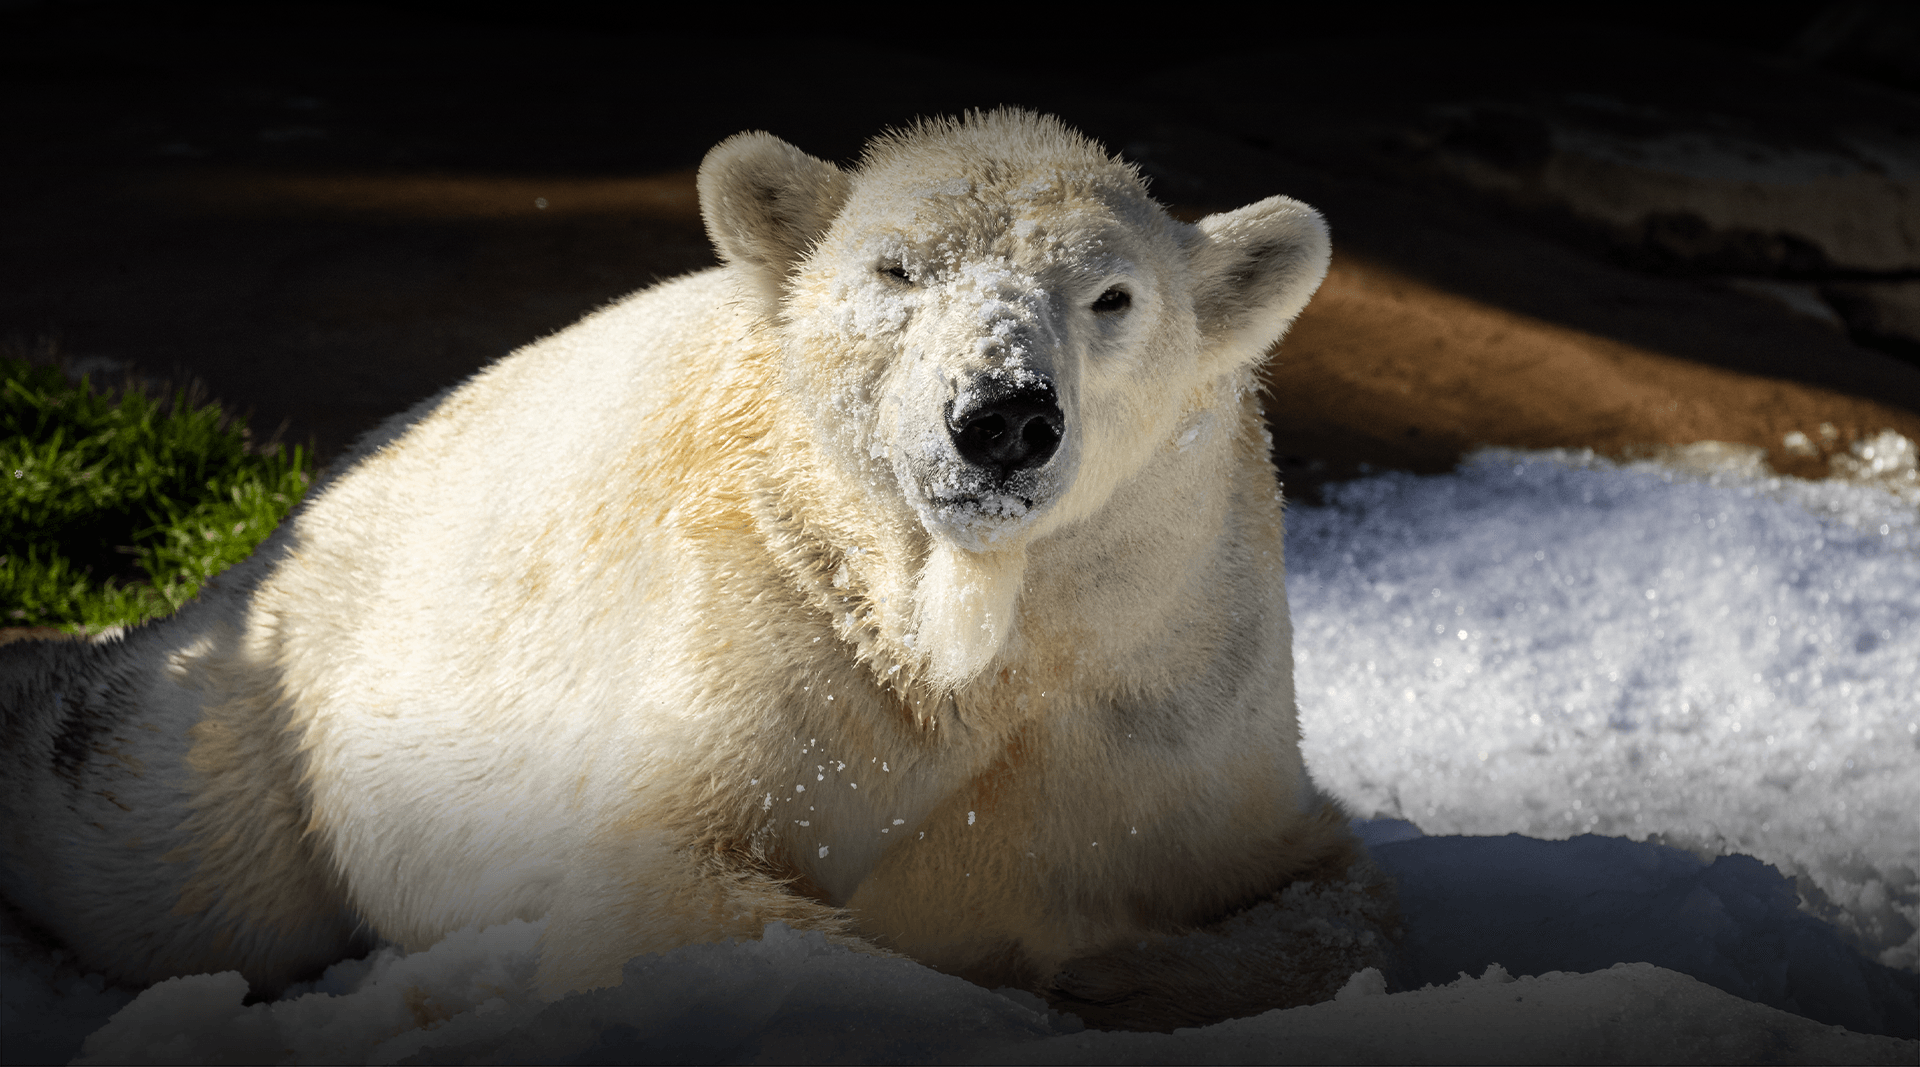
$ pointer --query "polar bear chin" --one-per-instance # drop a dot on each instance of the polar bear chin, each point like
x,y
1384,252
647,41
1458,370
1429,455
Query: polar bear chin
x,y
964,610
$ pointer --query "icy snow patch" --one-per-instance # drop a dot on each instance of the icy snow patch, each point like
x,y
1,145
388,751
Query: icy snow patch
x,y
794,998
1553,645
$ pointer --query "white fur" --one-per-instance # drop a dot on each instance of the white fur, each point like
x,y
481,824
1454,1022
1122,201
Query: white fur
x,y
690,617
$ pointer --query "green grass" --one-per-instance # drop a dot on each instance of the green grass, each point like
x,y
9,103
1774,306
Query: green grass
x,y
116,505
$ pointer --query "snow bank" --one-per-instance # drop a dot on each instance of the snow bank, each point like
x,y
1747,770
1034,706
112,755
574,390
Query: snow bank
x,y
1584,904
1551,645
794,998
787,998
1631,1013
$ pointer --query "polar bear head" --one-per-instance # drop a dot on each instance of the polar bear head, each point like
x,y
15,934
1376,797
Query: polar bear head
x,y
992,327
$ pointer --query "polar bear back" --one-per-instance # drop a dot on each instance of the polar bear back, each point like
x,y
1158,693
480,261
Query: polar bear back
x,y
401,614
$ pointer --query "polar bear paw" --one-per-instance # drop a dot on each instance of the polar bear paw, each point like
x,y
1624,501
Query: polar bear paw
x,y
1298,947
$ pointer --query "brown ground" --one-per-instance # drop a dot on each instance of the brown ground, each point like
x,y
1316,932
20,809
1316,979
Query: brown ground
x,y
325,225
1387,370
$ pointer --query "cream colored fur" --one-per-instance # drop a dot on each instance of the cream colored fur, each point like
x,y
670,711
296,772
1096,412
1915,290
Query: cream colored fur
x,y
689,617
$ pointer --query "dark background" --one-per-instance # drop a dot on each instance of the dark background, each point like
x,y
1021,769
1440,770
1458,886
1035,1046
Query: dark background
x,y
327,211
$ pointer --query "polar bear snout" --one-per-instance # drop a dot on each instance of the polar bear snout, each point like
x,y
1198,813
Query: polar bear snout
x,y
1004,427
994,455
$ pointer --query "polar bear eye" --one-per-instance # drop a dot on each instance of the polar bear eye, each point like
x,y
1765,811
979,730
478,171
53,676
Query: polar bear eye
x,y
1115,299
897,273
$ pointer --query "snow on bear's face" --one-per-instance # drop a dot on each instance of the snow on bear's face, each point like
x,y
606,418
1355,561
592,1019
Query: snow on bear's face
x,y
998,351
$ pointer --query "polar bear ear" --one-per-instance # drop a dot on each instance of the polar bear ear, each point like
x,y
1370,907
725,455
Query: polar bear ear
x,y
1253,271
765,203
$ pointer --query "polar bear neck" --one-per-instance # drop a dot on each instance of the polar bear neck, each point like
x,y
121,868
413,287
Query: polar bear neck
x,y
924,616
964,608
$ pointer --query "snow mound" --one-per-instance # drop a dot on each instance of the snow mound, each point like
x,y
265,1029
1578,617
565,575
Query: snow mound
x,y
788,997
1552,645
795,998
1631,1013
1585,904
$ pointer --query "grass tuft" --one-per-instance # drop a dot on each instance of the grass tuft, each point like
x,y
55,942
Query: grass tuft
x,y
116,505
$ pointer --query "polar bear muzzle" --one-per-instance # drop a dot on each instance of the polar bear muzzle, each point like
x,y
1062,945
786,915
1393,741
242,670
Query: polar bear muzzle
x,y
1006,426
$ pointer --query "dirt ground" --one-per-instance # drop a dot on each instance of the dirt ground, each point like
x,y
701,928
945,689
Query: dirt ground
x,y
331,212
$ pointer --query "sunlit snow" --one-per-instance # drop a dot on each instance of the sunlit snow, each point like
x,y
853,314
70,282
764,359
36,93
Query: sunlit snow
x,y
1689,685
1547,646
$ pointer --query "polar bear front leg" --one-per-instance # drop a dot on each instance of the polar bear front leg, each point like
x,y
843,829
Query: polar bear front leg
x,y
651,893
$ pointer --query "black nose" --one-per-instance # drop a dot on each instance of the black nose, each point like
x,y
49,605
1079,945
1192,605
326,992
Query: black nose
x,y
1011,429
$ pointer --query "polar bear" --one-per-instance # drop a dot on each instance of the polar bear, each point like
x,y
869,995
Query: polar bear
x,y
915,576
